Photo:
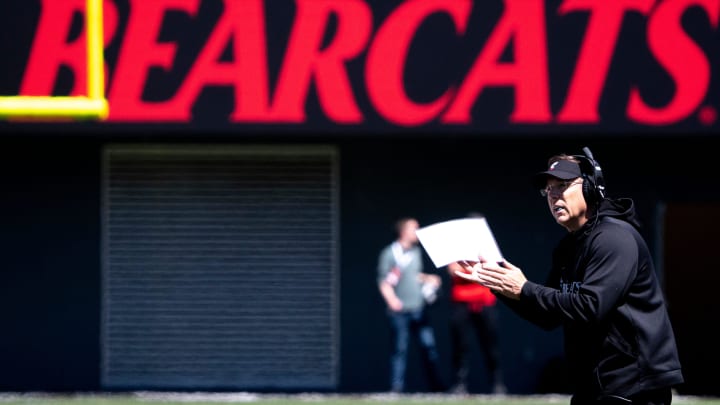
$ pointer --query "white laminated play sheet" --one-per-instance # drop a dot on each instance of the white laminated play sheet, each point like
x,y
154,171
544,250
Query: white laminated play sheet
x,y
457,240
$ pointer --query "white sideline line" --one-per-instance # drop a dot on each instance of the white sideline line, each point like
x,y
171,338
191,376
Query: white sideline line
x,y
247,397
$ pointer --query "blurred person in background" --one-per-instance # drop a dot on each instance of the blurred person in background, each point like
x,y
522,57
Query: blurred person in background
x,y
602,289
474,315
407,291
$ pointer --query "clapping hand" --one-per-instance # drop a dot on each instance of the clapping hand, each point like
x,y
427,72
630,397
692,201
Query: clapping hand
x,y
501,277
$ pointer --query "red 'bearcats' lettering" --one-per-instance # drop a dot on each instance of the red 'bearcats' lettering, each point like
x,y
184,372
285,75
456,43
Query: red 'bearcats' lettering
x,y
305,60
50,49
682,59
242,24
523,23
311,59
581,104
386,61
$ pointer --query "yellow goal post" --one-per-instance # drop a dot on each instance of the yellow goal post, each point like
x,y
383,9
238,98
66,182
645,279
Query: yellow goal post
x,y
92,106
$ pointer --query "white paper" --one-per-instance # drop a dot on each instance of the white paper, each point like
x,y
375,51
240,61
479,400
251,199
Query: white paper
x,y
459,239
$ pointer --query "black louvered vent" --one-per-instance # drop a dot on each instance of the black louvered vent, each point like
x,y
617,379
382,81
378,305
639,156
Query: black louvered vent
x,y
220,267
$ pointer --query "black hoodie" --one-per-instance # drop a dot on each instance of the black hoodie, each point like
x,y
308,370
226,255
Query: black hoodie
x,y
603,290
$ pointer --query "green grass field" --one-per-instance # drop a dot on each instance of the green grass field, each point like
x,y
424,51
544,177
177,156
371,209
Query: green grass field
x,y
299,399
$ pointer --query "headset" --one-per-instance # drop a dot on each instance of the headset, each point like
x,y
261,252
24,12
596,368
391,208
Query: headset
x,y
593,187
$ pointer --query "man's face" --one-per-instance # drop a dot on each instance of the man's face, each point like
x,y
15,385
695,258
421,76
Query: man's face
x,y
566,202
408,231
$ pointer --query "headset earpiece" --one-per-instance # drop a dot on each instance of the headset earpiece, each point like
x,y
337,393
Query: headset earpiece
x,y
588,190
593,187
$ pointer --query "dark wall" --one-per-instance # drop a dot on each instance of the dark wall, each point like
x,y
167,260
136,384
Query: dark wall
x,y
50,292
51,241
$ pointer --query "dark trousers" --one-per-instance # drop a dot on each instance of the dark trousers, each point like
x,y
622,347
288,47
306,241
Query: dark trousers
x,y
405,325
466,326
662,396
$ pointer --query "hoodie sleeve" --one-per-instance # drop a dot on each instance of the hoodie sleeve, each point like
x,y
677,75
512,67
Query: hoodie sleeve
x,y
527,310
604,274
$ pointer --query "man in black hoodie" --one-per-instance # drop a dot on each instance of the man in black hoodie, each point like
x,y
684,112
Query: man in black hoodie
x,y
602,289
